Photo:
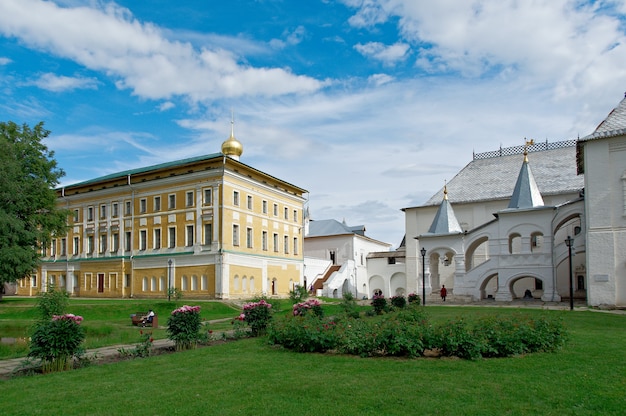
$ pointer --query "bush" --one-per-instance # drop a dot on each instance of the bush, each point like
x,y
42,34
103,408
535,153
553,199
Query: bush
x,y
56,342
312,305
457,339
348,306
298,294
398,302
183,327
257,315
306,333
53,302
413,299
380,304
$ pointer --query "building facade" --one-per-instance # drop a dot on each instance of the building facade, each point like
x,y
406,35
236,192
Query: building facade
x,y
208,226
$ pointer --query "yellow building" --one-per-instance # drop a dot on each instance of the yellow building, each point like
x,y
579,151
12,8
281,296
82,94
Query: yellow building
x,y
209,226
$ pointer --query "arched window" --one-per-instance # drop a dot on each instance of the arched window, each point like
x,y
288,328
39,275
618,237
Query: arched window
x,y
144,284
194,282
515,243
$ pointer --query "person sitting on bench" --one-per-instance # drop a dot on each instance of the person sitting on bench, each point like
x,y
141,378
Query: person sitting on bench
x,y
147,320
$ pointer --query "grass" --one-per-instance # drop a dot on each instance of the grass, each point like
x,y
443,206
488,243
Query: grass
x,y
249,377
106,322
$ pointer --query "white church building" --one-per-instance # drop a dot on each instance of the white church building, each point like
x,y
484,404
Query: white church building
x,y
538,221
511,222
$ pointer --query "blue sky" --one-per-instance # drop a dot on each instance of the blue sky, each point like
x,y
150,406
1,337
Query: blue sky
x,y
368,104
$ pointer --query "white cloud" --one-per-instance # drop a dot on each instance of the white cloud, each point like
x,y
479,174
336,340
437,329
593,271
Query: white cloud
x,y
110,39
4,61
387,54
168,105
58,83
576,47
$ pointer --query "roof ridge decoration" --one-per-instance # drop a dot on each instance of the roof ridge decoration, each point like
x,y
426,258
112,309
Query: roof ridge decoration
x,y
526,192
445,221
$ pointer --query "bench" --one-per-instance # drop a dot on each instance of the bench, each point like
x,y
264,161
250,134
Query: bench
x,y
137,319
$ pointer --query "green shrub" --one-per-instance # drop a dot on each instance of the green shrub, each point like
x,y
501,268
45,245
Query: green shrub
x,y
311,305
348,306
257,315
303,333
414,299
355,337
298,294
183,327
379,303
398,302
457,339
56,342
52,302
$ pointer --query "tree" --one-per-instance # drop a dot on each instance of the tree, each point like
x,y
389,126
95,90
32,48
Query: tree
x,y
29,216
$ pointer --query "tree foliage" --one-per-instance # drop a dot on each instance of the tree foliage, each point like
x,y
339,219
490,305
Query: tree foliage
x,y
28,212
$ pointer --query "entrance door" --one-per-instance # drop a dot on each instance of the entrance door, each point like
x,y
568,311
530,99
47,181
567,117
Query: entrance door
x,y
100,282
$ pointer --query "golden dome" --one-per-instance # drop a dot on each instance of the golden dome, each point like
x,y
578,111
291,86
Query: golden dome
x,y
232,147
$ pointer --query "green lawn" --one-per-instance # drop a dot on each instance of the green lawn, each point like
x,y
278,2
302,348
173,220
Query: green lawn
x,y
106,322
249,377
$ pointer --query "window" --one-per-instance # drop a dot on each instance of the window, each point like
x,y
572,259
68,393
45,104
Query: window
x,y
208,197
75,217
295,246
264,240
275,241
295,215
286,244
189,237
89,213
128,241
157,203
276,210
249,237
286,213
103,212
53,248
264,207
115,242
90,244
189,199
76,248
127,280
171,201
103,243
208,234
171,237
142,206
156,244
143,239
249,201
236,198
128,208
63,247
235,235
115,210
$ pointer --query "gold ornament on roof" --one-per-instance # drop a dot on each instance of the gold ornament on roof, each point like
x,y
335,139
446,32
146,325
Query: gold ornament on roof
x,y
526,144
232,147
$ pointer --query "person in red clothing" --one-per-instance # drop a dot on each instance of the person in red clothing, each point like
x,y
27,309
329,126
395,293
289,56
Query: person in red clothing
x,y
443,292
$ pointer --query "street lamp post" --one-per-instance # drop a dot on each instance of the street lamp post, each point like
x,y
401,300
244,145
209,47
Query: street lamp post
x,y
169,279
423,251
569,241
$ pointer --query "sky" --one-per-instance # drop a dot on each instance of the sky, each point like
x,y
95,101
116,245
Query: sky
x,y
369,105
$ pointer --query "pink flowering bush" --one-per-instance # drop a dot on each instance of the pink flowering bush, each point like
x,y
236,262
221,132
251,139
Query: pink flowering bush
x,y
257,315
183,327
313,305
57,341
